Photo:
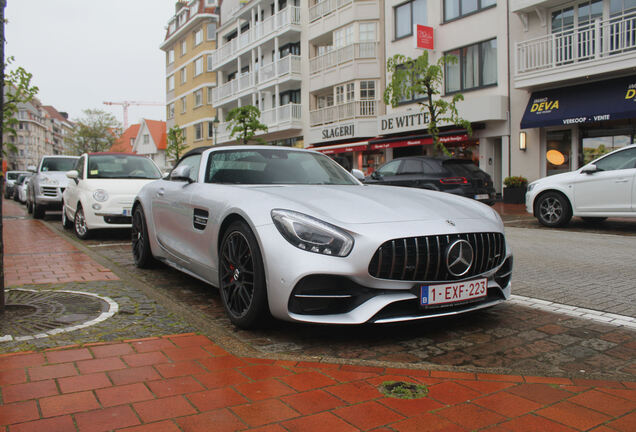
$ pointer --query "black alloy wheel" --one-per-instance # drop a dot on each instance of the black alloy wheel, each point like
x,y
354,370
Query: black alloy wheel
x,y
241,276
553,210
140,243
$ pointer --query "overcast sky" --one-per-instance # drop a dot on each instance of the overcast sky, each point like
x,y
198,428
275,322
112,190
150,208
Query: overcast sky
x,y
84,52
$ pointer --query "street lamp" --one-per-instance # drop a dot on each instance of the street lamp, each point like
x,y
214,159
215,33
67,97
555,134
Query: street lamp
x,y
215,124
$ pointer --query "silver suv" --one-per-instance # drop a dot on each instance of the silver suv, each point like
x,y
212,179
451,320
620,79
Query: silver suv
x,y
46,186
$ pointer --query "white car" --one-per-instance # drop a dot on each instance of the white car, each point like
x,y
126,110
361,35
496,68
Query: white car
x,y
606,187
290,232
101,190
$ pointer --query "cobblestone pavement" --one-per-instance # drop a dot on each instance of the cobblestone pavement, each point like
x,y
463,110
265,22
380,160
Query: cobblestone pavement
x,y
505,339
187,383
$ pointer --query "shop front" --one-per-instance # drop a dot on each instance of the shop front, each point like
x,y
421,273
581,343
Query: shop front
x,y
577,124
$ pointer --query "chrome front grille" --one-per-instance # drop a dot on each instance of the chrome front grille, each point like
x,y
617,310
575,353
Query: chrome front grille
x,y
49,191
424,258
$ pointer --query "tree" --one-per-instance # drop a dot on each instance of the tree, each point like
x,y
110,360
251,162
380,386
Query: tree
x,y
17,89
420,77
176,140
244,122
96,132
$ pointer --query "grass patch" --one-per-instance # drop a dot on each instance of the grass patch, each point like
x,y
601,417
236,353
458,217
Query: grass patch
x,y
403,390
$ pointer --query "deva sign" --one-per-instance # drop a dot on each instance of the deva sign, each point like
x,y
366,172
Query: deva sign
x,y
544,105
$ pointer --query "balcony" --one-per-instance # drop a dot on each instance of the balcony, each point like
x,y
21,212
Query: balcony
x,y
603,46
344,111
271,25
276,119
362,50
325,7
327,15
275,72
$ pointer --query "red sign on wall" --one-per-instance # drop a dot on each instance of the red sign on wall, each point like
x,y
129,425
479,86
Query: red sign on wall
x,y
424,37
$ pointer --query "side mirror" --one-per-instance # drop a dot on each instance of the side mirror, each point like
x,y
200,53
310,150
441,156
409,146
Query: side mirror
x,y
358,174
32,168
181,173
589,169
72,174
375,175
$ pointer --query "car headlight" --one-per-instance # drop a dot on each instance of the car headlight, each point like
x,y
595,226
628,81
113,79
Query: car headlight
x,y
530,187
311,234
100,195
44,180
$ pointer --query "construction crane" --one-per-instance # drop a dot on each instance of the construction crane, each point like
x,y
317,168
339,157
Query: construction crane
x,y
126,104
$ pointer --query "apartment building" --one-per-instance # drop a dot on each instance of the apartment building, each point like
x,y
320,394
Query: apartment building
x,y
59,130
573,82
189,43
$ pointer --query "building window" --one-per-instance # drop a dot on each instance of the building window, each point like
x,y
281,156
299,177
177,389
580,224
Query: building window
x,y
198,37
183,75
367,90
198,131
211,31
408,14
351,91
476,67
171,83
183,105
198,66
339,94
210,89
454,9
209,62
367,32
146,139
184,47
198,98
171,56
343,37
171,110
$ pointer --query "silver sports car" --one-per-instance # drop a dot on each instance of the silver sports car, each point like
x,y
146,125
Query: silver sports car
x,y
290,232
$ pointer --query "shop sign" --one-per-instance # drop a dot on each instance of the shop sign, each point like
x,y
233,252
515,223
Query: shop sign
x,y
349,149
338,131
449,139
424,37
403,121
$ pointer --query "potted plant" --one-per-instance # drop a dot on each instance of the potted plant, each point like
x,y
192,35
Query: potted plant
x,y
515,189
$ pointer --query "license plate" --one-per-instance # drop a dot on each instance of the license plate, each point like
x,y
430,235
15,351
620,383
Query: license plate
x,y
482,196
453,292
127,212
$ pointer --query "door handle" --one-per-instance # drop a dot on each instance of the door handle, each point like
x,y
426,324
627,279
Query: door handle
x,y
160,192
622,181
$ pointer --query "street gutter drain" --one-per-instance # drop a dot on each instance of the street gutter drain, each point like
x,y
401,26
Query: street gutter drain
x,y
403,390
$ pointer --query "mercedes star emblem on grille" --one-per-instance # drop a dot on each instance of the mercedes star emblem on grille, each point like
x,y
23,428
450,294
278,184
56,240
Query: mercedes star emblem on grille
x,y
459,257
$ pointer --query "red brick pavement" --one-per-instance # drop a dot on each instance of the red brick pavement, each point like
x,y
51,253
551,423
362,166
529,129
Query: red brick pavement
x,y
188,383
34,254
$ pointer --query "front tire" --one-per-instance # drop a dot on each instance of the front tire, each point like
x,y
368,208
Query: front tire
x,y
81,229
553,210
242,277
38,210
142,253
66,222
29,206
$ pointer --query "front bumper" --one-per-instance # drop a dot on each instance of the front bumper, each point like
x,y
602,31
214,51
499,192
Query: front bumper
x,y
111,216
309,287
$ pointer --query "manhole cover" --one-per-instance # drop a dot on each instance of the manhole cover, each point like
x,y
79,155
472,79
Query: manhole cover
x,y
403,390
40,313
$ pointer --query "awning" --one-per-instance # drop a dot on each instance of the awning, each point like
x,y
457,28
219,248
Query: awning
x,y
448,139
342,148
594,102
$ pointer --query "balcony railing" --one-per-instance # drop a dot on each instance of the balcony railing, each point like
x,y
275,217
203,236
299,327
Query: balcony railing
x,y
325,7
345,111
599,39
342,55
274,70
287,16
273,118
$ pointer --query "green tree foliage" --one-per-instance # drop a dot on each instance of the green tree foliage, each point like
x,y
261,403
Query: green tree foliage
x,y
176,143
95,132
418,76
18,89
244,123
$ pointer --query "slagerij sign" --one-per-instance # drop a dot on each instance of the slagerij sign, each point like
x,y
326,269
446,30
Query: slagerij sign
x,y
338,132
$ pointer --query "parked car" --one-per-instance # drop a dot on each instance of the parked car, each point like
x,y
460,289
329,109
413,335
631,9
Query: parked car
x,y
22,192
47,184
606,187
456,176
102,189
290,232
19,184
9,180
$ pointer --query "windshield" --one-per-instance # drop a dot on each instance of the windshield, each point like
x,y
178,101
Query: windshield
x,y
121,166
462,167
58,164
273,166
12,175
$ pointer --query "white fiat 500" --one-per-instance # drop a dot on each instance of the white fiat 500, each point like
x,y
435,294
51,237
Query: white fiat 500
x,y
290,232
101,190
606,187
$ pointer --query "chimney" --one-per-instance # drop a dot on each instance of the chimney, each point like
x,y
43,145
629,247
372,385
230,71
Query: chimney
x,y
64,114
